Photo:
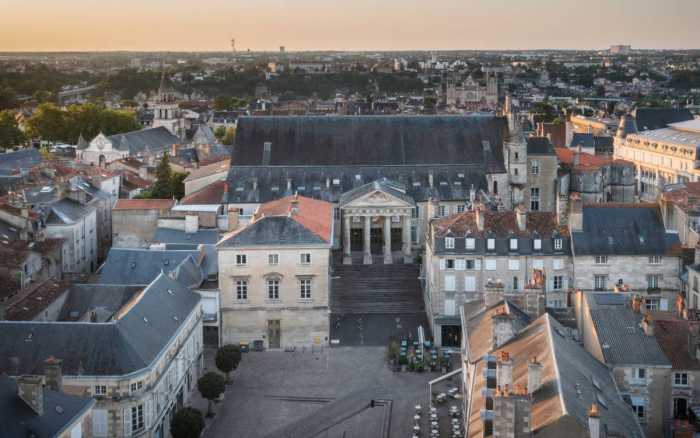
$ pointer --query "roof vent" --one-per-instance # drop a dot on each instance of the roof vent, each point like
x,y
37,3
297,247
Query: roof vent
x,y
59,410
166,262
145,320
133,265
170,292
175,318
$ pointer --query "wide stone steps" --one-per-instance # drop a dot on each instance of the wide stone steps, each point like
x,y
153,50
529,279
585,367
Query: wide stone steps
x,y
379,289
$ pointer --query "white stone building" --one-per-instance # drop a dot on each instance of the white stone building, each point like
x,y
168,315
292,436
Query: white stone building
x,y
76,224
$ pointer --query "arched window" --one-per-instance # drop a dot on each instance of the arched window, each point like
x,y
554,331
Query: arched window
x,y
495,187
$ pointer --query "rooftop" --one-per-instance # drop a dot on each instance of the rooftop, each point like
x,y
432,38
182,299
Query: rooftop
x,y
143,204
210,169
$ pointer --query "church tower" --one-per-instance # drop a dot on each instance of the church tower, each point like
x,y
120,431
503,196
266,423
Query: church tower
x,y
166,111
515,154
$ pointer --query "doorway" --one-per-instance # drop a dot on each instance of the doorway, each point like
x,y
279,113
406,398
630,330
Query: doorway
x,y
451,335
376,238
680,408
274,333
396,238
356,242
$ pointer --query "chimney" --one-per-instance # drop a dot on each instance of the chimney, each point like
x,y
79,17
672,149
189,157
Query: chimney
x,y
577,156
576,213
697,253
232,218
173,150
648,325
294,205
433,208
479,216
502,327
328,182
507,105
143,172
430,179
511,413
53,374
255,184
636,304
191,223
594,428
521,216
504,369
534,375
472,195
289,184
31,390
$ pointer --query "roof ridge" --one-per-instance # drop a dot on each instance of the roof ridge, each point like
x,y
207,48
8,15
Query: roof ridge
x,y
548,322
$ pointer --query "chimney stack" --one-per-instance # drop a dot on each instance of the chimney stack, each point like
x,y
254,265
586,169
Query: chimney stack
x,y
534,375
294,205
594,428
576,213
521,216
233,214
479,213
191,223
472,195
430,179
648,325
502,327
512,411
255,184
577,156
289,184
53,373
504,370
636,304
31,390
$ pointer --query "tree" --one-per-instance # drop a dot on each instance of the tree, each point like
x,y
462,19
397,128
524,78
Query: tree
x,y
48,122
230,137
177,183
211,385
42,96
220,132
187,423
163,187
10,134
227,359
222,103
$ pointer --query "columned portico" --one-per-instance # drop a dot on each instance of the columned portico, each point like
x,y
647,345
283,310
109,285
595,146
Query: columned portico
x,y
372,210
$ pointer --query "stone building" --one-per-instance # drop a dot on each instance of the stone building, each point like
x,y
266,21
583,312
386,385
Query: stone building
x,y
134,221
274,275
77,226
524,378
470,253
625,248
147,145
620,337
140,366
680,208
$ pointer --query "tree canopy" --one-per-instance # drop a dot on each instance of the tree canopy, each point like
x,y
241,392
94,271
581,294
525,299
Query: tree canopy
x,y
211,385
187,423
227,359
10,134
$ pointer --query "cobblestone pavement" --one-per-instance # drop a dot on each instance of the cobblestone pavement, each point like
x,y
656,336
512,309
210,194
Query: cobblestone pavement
x,y
275,389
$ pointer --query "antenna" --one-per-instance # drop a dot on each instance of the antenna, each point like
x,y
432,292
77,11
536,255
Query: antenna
x,y
233,45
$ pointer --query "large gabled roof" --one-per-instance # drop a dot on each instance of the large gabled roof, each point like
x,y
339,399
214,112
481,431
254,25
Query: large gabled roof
x,y
126,266
152,140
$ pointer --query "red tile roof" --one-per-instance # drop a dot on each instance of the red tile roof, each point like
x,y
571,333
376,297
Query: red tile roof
x,y
314,215
672,336
36,301
586,160
143,204
499,223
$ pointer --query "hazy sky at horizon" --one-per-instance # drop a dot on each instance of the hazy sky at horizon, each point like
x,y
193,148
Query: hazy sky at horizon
x,y
186,25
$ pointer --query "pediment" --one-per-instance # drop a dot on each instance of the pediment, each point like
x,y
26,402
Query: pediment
x,y
100,143
379,198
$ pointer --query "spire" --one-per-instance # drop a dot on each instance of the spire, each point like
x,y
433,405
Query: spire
x,y
82,144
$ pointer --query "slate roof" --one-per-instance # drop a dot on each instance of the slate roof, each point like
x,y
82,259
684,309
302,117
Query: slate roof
x,y
67,211
657,118
539,146
572,380
622,340
203,135
210,169
203,235
151,140
18,420
610,229
12,162
127,344
368,140
601,143
627,126
107,299
273,230
139,266
479,327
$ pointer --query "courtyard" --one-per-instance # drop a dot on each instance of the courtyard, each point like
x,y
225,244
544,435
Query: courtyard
x,y
320,393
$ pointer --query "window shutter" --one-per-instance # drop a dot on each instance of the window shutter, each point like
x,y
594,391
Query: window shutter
x,y
663,304
450,307
449,282
127,421
442,264
477,265
469,283
460,264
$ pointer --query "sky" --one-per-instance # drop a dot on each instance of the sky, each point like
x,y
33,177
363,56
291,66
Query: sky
x,y
186,25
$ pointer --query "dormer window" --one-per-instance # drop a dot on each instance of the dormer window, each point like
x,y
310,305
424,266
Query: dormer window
x,y
513,244
537,244
491,243
449,242
470,243
558,244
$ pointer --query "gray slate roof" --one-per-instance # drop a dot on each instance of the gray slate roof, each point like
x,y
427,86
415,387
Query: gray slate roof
x,y
67,211
139,266
203,135
101,349
273,230
151,140
20,421
392,188
105,299
539,146
368,140
169,235
601,143
11,162
657,118
621,338
622,230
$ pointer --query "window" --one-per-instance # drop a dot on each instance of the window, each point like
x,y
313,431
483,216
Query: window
x,y
136,386
655,260
513,264
515,283
305,258
273,289
537,244
100,389
305,288
600,282
442,210
241,290
558,282
490,265
273,259
470,264
558,244
537,264
640,373
557,264
638,407
449,242
460,209
137,422
241,260
652,304
469,283
601,260
513,244
450,283
491,243
470,243
535,167
99,422
653,281
450,263
460,264
680,379
534,198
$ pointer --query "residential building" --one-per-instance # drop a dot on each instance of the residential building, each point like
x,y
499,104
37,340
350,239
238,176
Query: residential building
x,y
540,193
613,330
523,378
134,221
140,366
274,275
626,248
76,225
475,252
206,175
680,207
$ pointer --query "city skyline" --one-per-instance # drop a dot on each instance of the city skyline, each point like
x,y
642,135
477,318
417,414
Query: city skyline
x,y
307,25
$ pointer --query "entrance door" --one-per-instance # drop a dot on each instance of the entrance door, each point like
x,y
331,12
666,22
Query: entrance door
x,y
376,238
356,242
680,408
396,238
451,335
274,333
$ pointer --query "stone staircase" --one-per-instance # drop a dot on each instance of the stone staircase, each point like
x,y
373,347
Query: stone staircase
x,y
376,289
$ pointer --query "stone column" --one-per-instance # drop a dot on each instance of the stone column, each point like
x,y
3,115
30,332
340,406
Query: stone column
x,y
406,239
387,240
367,258
347,247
